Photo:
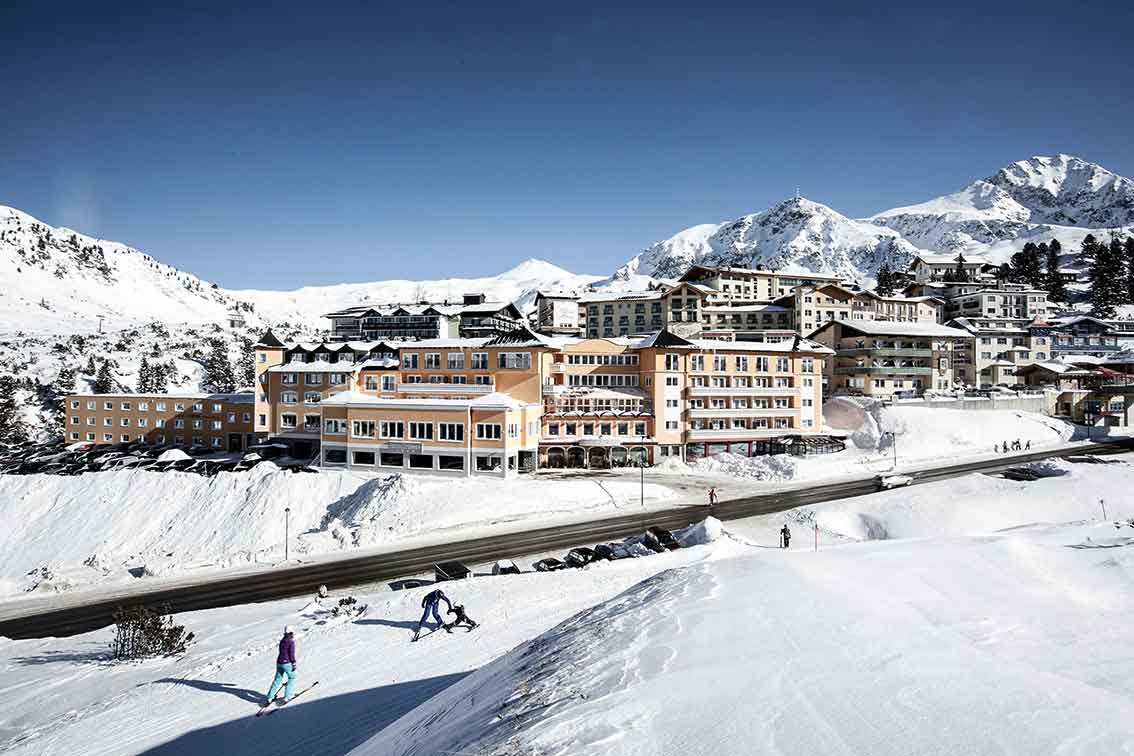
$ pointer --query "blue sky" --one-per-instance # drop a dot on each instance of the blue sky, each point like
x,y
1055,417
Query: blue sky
x,y
281,146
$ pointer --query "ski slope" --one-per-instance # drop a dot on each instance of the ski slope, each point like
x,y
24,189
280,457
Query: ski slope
x,y
992,619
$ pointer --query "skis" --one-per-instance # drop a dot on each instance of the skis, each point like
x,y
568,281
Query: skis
x,y
269,710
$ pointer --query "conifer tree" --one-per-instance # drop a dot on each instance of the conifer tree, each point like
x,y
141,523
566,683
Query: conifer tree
x,y
1056,291
12,429
218,369
246,362
1128,253
1087,250
145,377
959,273
1108,285
104,381
159,377
885,283
90,368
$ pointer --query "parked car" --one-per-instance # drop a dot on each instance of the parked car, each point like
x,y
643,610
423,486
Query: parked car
x,y
581,557
505,567
450,571
550,564
606,551
1021,473
659,539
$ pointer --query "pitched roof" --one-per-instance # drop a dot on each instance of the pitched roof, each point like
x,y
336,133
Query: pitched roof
x,y
268,339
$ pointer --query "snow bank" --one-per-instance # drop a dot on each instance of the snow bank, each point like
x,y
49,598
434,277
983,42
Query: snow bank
x,y
173,455
701,533
774,467
61,532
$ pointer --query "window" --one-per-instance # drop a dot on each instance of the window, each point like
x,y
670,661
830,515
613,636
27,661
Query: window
x,y
125,422
335,456
553,429
389,382
90,437
289,379
413,379
74,420
125,406
639,429
514,360
483,380
807,365
75,404
311,397
333,426
218,408
480,360
338,379
362,429
741,364
262,421
391,459
449,462
107,436
393,429
421,461
372,382
719,363
783,365
696,363
90,420
362,457
161,406
456,360
217,442
179,407
108,406
671,380
179,422
161,422
761,364
432,361
124,437
314,379
488,431
671,402
514,430
671,425
422,431
409,361
143,406
143,422
198,424
672,362
261,357
451,431
289,397
74,436
91,405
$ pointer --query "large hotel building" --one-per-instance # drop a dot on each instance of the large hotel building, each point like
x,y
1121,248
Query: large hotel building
x,y
516,402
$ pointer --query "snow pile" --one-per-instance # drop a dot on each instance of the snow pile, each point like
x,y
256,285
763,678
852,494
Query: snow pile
x,y
173,455
1049,468
60,531
924,433
699,534
672,466
856,526
773,467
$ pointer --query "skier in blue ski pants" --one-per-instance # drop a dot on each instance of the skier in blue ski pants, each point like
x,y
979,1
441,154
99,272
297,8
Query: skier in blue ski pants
x,y
285,666
430,603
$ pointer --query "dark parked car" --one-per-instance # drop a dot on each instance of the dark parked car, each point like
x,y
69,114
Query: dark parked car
x,y
450,571
505,567
581,557
1021,473
606,551
660,539
551,564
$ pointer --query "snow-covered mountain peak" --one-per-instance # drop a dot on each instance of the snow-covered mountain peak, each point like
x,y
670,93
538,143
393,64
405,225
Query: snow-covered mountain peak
x,y
536,269
1068,191
796,234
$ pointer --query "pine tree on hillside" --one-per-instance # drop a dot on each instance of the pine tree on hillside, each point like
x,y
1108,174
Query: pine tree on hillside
x,y
12,429
1118,267
1087,250
885,284
104,381
218,369
1056,291
60,389
145,377
1004,274
1108,282
90,368
1128,253
959,273
159,377
246,362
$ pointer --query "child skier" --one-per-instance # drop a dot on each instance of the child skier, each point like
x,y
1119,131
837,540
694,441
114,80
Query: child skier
x,y
462,618
285,667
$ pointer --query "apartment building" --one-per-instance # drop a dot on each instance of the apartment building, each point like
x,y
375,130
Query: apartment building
x,y
811,306
558,313
219,421
927,267
475,316
883,358
513,403
1006,301
607,314
727,284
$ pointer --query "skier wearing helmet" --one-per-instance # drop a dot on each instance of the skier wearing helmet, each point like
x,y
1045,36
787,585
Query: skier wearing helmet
x,y
285,667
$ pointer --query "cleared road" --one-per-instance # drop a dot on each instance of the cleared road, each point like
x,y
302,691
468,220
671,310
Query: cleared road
x,y
284,582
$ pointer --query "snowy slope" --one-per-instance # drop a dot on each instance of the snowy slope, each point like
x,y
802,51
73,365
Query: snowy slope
x,y
1038,199
795,235
59,280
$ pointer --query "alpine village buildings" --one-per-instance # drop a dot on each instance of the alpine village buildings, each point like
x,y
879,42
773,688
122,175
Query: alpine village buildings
x,y
722,359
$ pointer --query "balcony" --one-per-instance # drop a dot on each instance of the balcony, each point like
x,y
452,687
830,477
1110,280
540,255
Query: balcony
x,y
740,412
559,367
742,391
737,434
881,370
885,352
445,389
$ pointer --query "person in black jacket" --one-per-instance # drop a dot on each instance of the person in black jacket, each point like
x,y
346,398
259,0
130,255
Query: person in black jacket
x,y
462,619
785,537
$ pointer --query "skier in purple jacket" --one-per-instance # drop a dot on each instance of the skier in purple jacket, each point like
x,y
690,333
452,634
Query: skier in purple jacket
x,y
285,667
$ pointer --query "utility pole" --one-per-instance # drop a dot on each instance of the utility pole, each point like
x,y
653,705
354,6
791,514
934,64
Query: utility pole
x,y
286,525
1102,503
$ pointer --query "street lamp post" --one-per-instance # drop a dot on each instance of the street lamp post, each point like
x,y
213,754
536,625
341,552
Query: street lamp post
x,y
286,525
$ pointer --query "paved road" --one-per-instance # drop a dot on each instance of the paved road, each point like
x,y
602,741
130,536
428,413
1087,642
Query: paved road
x,y
283,582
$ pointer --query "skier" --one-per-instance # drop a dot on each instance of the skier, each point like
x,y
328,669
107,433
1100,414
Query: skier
x,y
1006,447
285,667
429,604
462,618
1028,446
1016,446
785,537
712,496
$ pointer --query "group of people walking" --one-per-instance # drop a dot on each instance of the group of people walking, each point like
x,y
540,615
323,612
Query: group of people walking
x,y
286,663
1016,446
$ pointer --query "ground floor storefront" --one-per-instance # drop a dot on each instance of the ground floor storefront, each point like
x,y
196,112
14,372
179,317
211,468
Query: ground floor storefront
x,y
417,458
596,456
797,445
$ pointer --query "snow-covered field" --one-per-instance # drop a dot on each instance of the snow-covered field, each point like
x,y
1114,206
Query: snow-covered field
x,y
63,532
992,619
